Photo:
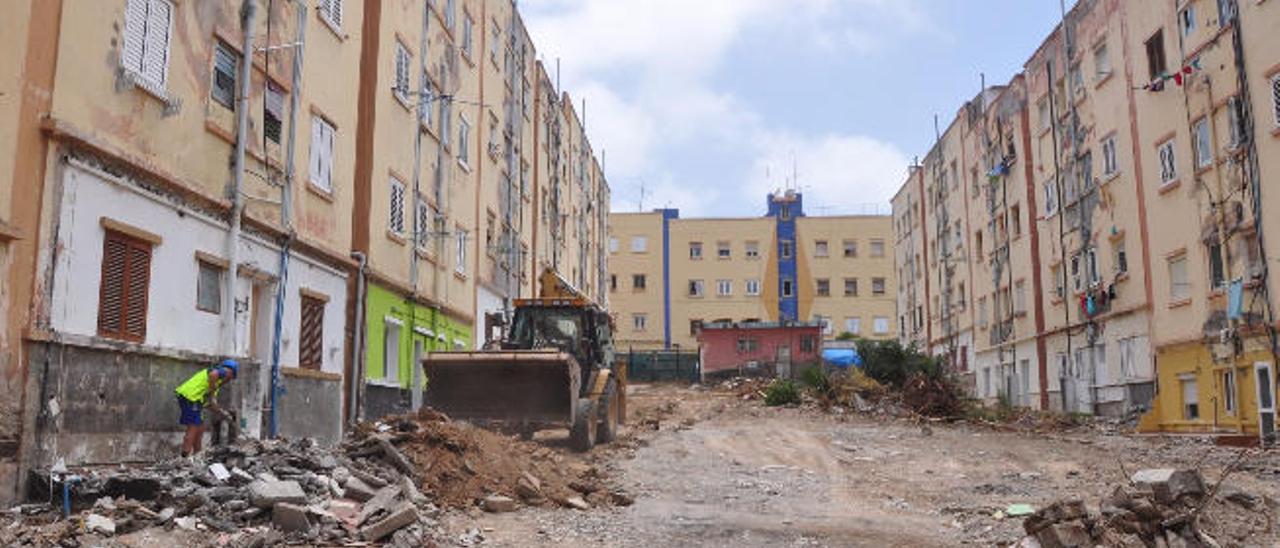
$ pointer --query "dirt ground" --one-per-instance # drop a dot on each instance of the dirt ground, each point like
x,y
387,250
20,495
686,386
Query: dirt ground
x,y
707,468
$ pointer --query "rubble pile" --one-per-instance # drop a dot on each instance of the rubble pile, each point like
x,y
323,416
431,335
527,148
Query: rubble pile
x,y
1160,507
460,465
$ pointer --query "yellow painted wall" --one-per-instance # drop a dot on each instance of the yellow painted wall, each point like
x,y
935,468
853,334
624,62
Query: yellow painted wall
x,y
835,267
710,268
626,300
1195,361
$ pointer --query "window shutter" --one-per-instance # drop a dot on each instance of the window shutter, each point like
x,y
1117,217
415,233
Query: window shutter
x,y
328,155
155,55
311,334
335,12
135,324
316,139
115,255
135,32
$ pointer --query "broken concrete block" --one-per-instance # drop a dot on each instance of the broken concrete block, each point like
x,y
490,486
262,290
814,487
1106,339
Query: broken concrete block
x,y
345,510
577,503
357,489
265,494
219,471
373,481
499,504
402,517
96,523
384,500
396,458
186,523
240,476
341,475
410,491
529,488
166,514
1168,484
1069,534
290,518
336,489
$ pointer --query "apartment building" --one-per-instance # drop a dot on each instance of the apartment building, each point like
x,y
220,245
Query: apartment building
x,y
909,255
1147,132
670,276
147,248
473,175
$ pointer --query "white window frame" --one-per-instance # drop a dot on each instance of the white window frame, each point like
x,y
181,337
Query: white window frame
x,y
331,13
752,249
403,62
695,250
880,325
613,245
1167,155
460,251
853,325
422,220
639,244
724,250
639,322
468,25
1050,198
152,75
1187,23
753,287
395,205
877,249
821,248
391,360
321,155
1101,62
221,51
1110,163
724,288
1202,143
464,135
1179,290
697,288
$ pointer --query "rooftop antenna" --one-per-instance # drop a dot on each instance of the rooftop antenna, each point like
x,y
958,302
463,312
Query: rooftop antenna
x,y
643,193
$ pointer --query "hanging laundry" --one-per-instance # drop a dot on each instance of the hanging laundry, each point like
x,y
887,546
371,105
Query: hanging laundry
x,y
1235,299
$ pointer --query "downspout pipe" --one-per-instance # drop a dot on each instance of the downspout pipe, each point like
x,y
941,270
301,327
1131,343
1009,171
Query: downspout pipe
x,y
356,407
248,14
286,219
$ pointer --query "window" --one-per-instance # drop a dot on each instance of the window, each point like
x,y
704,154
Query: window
x,y
1203,149
391,351
146,41
331,12
753,249
613,282
1217,274
460,251
639,244
490,232
1179,285
694,327
223,87
1235,118
123,288
495,42
613,245
1275,98
1059,284
820,248
450,13
877,286
1187,20
1050,198
209,287
1190,399
724,288
395,218
723,250
982,312
402,73
311,333
877,248
808,342
1077,81
422,222
1042,111
695,288
850,249
1101,63
880,325
1226,11
1229,391
638,282
467,25
639,322
695,250
321,158
427,101
1155,55
788,288
1168,163
753,287
273,112
1091,264
1020,297
464,137
1120,258
747,345
851,287
786,249
824,287
1109,165
853,325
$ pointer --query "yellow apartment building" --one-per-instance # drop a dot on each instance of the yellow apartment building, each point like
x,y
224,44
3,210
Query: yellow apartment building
x,y
669,276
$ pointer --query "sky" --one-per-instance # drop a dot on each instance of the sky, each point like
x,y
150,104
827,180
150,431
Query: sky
x,y
708,105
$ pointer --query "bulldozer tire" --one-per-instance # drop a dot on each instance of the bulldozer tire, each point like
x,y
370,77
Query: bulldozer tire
x,y
582,436
609,404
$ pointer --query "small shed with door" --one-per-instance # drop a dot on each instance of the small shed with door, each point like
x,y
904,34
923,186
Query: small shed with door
x,y
781,349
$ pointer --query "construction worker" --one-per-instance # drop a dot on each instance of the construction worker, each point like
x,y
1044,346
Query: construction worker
x,y
197,392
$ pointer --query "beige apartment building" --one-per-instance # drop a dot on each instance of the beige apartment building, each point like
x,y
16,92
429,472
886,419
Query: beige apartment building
x,y
669,276
1149,134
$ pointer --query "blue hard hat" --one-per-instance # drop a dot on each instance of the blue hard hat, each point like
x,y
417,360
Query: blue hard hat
x,y
231,365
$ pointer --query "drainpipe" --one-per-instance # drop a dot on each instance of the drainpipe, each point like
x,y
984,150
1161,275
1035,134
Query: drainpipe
x,y
286,219
248,11
421,230
356,409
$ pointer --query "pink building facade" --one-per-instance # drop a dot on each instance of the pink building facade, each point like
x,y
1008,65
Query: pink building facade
x,y
758,349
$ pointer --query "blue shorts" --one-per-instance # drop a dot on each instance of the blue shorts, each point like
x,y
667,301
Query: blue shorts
x,y
191,412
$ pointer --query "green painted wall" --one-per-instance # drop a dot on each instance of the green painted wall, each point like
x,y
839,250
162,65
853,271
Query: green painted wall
x,y
416,324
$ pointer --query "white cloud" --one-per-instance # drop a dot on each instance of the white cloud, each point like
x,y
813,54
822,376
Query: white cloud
x,y
645,68
838,174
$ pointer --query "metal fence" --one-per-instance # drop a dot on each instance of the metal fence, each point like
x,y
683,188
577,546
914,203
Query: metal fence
x,y
662,365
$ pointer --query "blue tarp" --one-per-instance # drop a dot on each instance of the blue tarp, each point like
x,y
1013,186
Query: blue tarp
x,y
841,357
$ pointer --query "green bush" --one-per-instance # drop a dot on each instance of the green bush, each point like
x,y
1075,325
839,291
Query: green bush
x,y
890,363
782,392
816,378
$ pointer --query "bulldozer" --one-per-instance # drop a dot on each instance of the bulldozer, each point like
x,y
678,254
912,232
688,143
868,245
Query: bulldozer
x,y
553,366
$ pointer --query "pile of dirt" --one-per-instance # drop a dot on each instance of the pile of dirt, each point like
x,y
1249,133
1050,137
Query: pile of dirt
x,y
459,465
1159,507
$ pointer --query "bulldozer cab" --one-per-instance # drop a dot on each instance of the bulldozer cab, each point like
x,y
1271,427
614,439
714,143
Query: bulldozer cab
x,y
581,331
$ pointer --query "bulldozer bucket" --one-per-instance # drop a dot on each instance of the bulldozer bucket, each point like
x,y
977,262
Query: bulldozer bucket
x,y
508,386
